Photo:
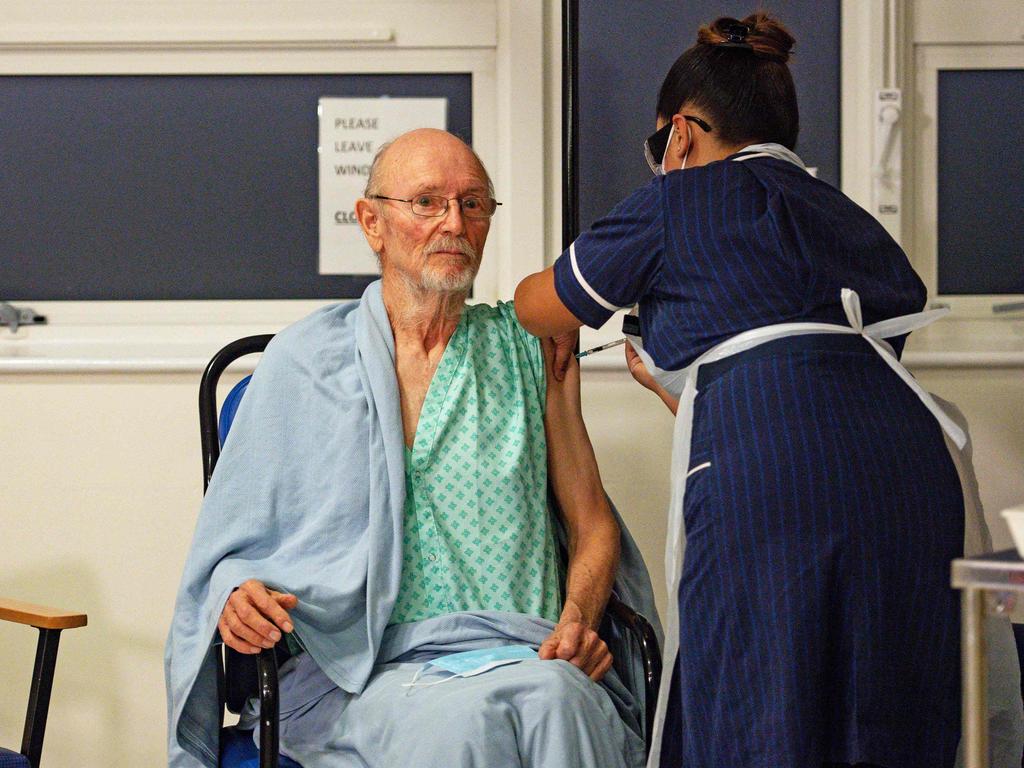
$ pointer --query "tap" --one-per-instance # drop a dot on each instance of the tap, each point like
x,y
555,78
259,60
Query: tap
x,y
15,317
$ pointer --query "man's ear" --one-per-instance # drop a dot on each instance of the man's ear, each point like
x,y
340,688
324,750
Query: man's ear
x,y
372,223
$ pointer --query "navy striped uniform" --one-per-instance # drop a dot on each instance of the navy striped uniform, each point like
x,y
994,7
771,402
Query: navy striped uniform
x,y
817,624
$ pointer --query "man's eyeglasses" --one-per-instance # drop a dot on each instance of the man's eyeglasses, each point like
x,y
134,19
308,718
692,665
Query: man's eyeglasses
x,y
434,206
656,144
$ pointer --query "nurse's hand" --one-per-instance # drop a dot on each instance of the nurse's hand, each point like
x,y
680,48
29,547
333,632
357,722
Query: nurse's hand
x,y
565,349
639,372
254,617
580,645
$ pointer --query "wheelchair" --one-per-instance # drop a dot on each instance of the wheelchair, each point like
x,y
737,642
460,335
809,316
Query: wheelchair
x,y
242,677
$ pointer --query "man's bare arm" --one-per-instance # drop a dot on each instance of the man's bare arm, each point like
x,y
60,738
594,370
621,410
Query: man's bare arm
x,y
592,531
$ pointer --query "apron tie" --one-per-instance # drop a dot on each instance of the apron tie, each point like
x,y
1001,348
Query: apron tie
x,y
876,334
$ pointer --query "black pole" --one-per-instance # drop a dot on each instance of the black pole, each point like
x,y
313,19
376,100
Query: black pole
x,y
570,122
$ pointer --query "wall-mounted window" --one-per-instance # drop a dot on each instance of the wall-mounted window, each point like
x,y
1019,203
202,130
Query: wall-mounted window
x,y
160,158
950,186
178,187
980,182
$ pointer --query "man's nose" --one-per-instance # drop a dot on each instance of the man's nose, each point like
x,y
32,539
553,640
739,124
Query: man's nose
x,y
453,220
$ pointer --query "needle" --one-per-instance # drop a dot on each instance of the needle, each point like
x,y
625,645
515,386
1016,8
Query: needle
x,y
591,351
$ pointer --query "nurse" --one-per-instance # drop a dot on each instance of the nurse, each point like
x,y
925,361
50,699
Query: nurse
x,y
812,622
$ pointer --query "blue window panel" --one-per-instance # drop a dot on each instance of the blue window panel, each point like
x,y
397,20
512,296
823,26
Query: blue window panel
x,y
981,181
120,187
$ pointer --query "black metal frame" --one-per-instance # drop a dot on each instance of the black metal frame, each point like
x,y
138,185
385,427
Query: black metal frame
x,y
208,411
650,656
39,694
236,667
570,122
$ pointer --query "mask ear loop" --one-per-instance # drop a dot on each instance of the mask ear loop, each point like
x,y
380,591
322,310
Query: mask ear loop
x,y
689,143
668,145
414,684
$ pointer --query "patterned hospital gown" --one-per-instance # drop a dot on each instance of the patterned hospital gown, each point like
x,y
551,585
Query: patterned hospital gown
x,y
477,532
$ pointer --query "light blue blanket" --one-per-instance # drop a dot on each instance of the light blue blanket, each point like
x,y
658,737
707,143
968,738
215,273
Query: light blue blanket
x,y
308,497
533,714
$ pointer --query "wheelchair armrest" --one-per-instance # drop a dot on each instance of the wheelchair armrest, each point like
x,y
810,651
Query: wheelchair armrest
x,y
40,616
265,686
650,653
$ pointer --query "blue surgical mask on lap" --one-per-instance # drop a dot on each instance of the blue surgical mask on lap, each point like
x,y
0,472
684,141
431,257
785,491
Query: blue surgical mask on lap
x,y
470,663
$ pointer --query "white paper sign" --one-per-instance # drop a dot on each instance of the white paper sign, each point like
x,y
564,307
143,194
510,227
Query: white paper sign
x,y
351,132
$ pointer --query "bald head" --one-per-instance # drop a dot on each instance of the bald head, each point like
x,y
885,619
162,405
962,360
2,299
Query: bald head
x,y
418,147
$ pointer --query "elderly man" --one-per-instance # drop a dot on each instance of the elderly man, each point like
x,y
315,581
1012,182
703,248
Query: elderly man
x,y
381,503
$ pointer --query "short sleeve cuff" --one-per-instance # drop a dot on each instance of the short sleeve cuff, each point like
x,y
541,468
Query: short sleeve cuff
x,y
533,350
579,297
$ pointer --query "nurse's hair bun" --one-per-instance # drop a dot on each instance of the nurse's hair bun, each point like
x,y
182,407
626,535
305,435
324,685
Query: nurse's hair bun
x,y
759,33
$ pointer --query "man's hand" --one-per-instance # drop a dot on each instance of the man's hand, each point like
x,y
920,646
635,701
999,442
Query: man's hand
x,y
253,616
575,642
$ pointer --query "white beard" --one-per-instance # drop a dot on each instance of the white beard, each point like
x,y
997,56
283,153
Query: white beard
x,y
459,282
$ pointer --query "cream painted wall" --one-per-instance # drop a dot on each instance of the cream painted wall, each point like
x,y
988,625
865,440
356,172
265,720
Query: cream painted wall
x,y
632,434
98,505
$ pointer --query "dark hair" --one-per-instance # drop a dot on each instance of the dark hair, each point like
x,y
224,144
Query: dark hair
x,y
737,76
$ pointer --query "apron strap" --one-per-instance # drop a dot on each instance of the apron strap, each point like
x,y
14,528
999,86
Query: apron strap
x,y
897,326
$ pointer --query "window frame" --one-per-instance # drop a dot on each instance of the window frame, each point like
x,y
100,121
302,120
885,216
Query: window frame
x,y
910,40
498,42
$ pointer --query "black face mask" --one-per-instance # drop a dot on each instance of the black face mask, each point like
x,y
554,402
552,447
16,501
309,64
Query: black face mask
x,y
656,144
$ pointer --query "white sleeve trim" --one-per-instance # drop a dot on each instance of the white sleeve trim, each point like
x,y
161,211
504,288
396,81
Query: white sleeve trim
x,y
586,286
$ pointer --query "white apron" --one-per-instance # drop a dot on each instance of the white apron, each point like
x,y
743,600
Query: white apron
x,y
683,384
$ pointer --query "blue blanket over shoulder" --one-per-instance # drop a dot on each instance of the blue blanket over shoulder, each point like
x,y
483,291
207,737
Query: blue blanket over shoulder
x,y
308,497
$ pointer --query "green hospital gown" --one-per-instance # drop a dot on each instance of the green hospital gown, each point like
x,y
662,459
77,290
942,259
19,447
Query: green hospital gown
x,y
477,532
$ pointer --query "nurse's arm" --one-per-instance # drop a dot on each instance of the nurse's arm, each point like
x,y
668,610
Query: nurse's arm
x,y
592,531
539,308
542,313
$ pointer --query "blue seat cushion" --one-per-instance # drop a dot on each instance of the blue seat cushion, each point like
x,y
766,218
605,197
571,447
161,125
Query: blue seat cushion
x,y
237,751
10,759
230,408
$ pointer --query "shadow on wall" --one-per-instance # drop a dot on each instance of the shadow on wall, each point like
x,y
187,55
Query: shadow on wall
x,y
90,690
